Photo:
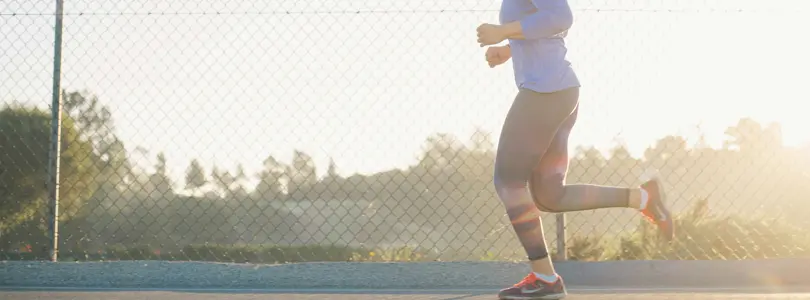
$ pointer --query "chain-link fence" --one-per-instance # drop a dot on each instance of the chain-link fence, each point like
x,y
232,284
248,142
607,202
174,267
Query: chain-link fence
x,y
282,131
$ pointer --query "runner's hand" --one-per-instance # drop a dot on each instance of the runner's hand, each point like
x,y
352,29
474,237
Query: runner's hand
x,y
498,55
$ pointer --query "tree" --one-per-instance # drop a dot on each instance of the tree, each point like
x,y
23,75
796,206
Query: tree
x,y
330,186
666,148
270,179
25,136
219,179
331,170
229,184
237,187
439,151
160,180
94,124
302,174
624,168
195,176
482,141
751,138
240,176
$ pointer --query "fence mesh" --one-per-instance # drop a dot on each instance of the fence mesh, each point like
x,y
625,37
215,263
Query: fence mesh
x,y
283,131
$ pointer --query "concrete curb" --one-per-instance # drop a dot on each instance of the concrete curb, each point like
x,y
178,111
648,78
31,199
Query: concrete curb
x,y
433,275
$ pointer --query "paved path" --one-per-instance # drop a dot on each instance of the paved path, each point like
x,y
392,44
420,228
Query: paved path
x,y
600,294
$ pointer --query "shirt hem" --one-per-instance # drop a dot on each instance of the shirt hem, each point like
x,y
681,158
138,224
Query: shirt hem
x,y
537,89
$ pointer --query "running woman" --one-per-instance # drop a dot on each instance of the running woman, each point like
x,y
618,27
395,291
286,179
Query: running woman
x,y
532,158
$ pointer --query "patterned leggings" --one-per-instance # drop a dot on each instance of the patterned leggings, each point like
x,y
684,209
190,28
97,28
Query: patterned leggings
x,y
532,162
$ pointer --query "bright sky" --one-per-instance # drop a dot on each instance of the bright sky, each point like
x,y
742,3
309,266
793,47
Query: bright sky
x,y
367,88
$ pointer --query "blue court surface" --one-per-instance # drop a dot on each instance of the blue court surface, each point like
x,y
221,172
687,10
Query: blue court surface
x,y
701,280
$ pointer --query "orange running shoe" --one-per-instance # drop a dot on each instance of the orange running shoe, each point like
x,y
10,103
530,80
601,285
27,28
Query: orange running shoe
x,y
531,288
656,211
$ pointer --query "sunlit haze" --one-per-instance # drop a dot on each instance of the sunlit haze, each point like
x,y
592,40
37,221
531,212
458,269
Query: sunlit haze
x,y
365,82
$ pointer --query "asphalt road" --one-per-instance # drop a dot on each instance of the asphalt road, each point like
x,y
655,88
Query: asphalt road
x,y
368,295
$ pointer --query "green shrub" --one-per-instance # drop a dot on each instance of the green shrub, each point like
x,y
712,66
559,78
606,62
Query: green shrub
x,y
699,236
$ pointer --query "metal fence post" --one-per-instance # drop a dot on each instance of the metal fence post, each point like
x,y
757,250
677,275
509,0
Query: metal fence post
x,y
56,135
562,254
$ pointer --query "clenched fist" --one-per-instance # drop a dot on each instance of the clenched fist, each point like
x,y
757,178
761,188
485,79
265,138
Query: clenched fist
x,y
498,55
490,34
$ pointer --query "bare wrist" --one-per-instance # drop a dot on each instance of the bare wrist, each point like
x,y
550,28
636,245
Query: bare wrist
x,y
511,29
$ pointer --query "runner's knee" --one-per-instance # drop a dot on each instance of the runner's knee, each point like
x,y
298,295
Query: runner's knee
x,y
510,173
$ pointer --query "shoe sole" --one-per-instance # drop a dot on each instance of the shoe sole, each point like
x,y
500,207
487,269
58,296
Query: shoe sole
x,y
545,297
662,194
